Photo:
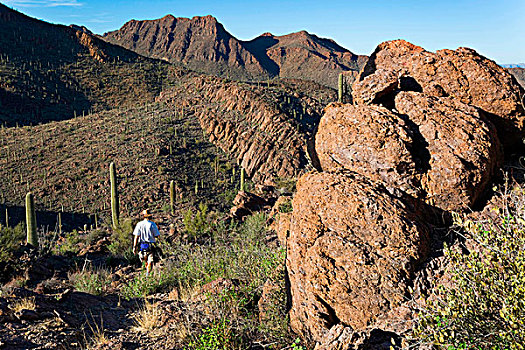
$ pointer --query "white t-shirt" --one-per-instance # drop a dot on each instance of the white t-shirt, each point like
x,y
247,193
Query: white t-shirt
x,y
147,230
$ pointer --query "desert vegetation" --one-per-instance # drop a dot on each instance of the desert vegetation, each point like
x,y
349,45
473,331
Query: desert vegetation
x,y
481,304
210,280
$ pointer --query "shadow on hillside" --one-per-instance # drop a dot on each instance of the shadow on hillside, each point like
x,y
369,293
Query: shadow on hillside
x,y
258,48
23,109
46,220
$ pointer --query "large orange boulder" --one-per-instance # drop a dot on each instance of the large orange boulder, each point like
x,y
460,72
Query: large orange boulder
x,y
421,140
463,148
437,149
462,74
351,254
371,141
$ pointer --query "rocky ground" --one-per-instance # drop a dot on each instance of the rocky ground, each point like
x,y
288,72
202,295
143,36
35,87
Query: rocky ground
x,y
206,288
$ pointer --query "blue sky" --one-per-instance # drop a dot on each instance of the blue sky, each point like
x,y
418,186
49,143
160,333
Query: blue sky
x,y
495,28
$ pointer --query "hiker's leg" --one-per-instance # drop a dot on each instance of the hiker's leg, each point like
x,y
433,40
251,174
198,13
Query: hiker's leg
x,y
149,264
143,259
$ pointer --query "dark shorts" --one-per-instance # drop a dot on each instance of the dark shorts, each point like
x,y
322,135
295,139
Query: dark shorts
x,y
146,255
151,254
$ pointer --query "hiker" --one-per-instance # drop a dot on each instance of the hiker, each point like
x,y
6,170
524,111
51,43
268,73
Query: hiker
x,y
145,234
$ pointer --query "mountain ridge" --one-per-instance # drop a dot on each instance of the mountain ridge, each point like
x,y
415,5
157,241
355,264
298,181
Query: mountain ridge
x,y
203,44
200,43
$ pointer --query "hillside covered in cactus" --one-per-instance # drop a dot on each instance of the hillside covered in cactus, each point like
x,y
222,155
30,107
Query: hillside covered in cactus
x,y
52,72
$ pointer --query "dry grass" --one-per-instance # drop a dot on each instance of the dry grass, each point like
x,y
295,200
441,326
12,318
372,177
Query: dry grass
x,y
188,291
24,304
98,337
147,317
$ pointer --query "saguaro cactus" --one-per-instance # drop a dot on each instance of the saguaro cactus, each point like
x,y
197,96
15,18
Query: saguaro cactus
x,y
32,237
60,222
341,88
114,195
172,197
242,179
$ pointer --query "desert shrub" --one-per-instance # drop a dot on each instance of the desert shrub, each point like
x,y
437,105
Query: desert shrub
x,y
240,253
286,207
70,244
274,320
285,184
122,239
484,307
147,316
197,224
141,285
217,336
89,280
10,240
27,303
93,236
227,196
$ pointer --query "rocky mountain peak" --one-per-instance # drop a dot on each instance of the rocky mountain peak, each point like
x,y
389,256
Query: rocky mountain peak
x,y
203,44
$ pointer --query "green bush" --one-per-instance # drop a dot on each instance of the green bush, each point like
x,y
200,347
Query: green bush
x,y
10,240
122,239
283,184
286,207
92,281
142,285
198,224
217,336
274,321
484,307
70,245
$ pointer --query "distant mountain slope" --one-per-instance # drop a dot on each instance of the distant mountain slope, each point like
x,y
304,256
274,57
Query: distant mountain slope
x,y
263,128
53,72
519,74
200,43
203,44
304,56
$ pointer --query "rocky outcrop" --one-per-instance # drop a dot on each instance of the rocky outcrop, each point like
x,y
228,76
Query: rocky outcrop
x,y
462,147
427,150
344,338
371,141
519,74
257,132
420,139
461,74
245,203
87,41
351,252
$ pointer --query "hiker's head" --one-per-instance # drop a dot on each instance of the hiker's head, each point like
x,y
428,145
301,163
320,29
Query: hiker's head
x,y
145,214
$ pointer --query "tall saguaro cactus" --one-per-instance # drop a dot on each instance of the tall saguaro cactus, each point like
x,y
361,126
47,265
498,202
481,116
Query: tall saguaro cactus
x,y
172,197
341,88
114,195
32,237
242,179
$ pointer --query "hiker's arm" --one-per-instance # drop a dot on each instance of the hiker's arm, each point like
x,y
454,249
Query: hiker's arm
x,y
135,242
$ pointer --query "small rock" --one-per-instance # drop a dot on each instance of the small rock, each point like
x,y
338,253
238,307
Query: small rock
x,y
28,315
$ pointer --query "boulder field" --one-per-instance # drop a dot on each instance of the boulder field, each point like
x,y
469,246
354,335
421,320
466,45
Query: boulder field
x,y
425,137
